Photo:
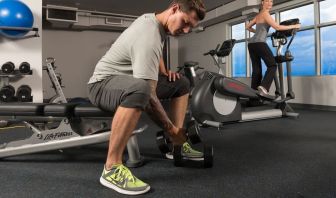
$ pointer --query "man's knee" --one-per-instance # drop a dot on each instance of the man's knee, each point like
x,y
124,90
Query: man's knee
x,y
184,86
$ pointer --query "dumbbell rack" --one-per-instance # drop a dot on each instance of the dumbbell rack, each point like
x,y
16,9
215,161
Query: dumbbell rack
x,y
5,80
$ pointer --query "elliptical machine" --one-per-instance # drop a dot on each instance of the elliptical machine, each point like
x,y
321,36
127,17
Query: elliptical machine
x,y
216,99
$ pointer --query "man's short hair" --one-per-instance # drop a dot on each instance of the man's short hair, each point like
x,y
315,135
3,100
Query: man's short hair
x,y
191,5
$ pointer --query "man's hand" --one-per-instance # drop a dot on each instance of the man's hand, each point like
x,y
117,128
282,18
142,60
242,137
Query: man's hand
x,y
178,136
172,76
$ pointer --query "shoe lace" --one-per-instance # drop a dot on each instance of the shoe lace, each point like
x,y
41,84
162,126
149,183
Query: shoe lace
x,y
187,148
124,173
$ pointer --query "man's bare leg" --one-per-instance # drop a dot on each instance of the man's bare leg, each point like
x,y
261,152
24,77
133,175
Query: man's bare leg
x,y
178,109
123,124
156,112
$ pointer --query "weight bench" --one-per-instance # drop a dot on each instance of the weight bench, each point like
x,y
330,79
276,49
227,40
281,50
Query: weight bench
x,y
59,126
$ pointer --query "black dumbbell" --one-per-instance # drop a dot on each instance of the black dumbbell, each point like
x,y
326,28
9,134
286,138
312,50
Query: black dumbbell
x,y
163,142
24,68
8,67
193,132
207,158
23,93
7,93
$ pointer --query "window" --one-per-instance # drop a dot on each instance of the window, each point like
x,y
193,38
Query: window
x,y
307,60
304,13
239,51
303,46
327,11
328,50
303,50
239,60
238,31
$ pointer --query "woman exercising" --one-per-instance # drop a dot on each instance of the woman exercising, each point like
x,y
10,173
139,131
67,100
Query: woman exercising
x,y
259,49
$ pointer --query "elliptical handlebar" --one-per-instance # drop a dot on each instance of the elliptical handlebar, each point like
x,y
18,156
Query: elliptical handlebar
x,y
282,35
212,52
286,33
291,40
217,48
280,39
222,50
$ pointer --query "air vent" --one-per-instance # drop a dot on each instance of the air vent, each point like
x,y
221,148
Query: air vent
x,y
62,14
114,21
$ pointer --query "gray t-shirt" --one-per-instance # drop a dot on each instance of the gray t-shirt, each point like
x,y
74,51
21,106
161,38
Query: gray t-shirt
x,y
136,52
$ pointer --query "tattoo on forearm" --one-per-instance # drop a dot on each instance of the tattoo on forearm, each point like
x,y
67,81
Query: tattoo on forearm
x,y
155,110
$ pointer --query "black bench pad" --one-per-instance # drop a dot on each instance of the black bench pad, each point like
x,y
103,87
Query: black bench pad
x,y
88,110
59,110
55,110
21,109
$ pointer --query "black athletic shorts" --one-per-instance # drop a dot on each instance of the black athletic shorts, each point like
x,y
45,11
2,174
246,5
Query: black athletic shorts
x,y
130,92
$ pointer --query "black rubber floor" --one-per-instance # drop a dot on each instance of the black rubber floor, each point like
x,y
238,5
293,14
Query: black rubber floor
x,y
281,158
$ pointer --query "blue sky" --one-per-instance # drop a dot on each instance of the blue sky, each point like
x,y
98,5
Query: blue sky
x,y
239,60
328,48
328,8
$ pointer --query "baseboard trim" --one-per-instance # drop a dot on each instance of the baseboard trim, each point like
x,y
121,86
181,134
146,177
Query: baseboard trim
x,y
314,107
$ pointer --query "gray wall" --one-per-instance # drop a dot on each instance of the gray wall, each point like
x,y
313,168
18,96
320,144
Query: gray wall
x,y
191,47
76,55
174,52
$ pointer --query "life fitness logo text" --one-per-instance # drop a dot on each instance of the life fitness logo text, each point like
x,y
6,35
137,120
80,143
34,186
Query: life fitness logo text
x,y
236,86
54,136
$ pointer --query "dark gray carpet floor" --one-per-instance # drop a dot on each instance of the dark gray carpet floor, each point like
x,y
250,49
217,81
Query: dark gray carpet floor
x,y
280,158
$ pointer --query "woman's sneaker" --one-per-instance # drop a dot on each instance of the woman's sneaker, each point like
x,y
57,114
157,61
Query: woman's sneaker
x,y
187,153
120,179
264,93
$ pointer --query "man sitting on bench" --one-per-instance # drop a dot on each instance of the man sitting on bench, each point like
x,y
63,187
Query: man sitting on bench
x,y
126,81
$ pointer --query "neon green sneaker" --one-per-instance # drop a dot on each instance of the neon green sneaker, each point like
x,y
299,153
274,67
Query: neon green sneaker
x,y
187,153
120,179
